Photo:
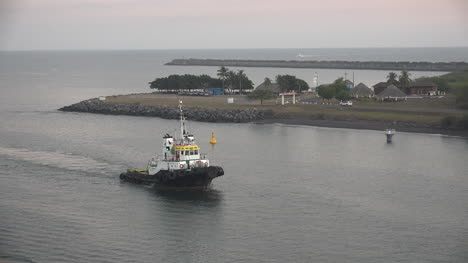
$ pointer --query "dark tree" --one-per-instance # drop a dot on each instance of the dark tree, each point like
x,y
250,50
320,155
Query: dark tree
x,y
239,81
223,74
392,78
327,92
339,86
175,83
462,96
343,95
405,80
291,83
262,94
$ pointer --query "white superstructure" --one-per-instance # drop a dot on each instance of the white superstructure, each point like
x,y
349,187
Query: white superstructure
x,y
178,153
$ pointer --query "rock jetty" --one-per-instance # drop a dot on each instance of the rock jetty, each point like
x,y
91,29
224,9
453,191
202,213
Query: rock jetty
x,y
371,65
137,109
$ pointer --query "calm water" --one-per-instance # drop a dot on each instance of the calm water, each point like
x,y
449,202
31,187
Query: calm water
x,y
290,193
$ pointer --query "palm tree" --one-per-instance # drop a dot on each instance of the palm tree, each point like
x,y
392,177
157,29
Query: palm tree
x,y
392,78
223,74
267,82
231,78
405,79
241,75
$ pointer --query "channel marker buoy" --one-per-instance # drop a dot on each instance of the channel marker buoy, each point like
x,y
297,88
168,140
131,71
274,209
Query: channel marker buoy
x,y
213,139
389,133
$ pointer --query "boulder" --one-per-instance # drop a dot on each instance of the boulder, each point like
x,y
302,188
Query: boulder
x,y
197,114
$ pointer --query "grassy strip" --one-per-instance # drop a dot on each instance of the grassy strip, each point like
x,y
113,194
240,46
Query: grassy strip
x,y
289,111
317,112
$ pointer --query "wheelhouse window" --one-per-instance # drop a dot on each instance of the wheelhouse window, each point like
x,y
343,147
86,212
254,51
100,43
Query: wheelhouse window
x,y
196,152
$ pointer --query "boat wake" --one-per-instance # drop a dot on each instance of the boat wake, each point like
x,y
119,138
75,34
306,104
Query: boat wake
x,y
60,160
300,55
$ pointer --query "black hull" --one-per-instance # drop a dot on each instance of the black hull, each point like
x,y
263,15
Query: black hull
x,y
193,178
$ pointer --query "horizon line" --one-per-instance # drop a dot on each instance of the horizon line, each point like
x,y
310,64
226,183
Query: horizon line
x,y
249,48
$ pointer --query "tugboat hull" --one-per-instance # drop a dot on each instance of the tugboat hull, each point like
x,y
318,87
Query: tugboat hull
x,y
193,178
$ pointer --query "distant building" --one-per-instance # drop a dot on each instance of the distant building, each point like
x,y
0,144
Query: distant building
x,y
414,88
379,87
349,84
361,91
273,86
422,88
392,92
214,91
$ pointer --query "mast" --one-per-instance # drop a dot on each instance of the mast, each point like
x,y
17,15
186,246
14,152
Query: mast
x,y
182,124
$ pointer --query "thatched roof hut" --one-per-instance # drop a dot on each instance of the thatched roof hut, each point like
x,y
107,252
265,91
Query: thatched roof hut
x,y
361,91
273,86
391,93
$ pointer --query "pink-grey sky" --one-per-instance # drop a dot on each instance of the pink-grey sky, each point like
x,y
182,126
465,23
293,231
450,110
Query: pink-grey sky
x,y
156,24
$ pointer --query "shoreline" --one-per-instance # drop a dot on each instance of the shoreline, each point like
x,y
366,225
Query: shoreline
x,y
166,112
253,115
365,125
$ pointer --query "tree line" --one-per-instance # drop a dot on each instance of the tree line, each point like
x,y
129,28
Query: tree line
x,y
337,90
455,83
403,80
228,80
184,82
234,80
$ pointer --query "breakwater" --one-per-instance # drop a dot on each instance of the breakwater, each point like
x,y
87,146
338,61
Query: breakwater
x,y
137,109
369,65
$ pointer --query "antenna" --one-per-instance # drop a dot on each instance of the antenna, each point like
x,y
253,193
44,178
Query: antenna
x,y
182,123
353,79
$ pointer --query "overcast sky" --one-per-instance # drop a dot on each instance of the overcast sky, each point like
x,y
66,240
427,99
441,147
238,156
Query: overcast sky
x,y
199,24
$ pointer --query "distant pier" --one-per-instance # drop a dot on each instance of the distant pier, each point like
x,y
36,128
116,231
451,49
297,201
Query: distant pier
x,y
368,65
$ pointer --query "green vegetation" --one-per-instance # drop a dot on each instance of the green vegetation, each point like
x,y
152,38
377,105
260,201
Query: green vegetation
x,y
442,84
336,90
291,83
404,80
417,110
454,122
462,96
392,78
241,81
343,95
223,74
174,83
314,112
327,92
184,82
458,85
235,80
262,94
455,83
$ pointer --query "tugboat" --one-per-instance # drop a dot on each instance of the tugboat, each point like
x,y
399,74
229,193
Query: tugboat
x,y
181,164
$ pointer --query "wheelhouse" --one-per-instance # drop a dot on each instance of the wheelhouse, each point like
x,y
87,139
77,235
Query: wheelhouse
x,y
186,152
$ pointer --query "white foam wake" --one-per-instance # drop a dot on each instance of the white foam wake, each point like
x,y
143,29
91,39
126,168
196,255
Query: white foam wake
x,y
60,160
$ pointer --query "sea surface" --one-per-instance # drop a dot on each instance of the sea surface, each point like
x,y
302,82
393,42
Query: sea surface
x,y
289,193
